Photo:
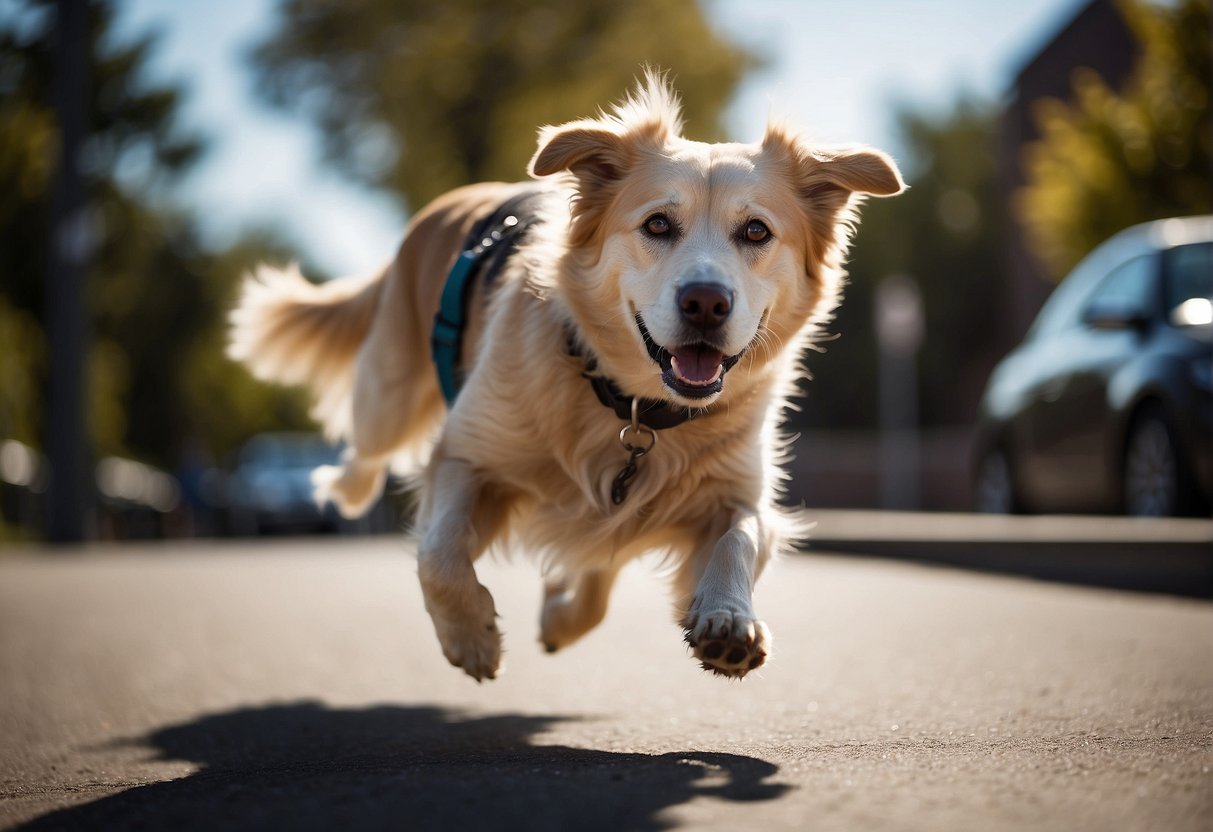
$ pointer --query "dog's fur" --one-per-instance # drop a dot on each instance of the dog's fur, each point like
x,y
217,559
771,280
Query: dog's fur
x,y
527,454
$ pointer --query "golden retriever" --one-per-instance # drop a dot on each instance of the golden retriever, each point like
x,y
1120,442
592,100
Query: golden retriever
x,y
622,377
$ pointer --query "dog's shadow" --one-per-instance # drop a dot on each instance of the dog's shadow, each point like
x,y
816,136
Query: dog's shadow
x,y
307,766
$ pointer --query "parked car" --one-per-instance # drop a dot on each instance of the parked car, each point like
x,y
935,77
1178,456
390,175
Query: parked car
x,y
1107,405
271,488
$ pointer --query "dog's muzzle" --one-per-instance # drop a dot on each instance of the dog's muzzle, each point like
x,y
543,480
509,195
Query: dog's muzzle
x,y
693,371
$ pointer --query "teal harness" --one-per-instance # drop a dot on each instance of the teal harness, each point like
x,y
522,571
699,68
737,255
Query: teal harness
x,y
487,248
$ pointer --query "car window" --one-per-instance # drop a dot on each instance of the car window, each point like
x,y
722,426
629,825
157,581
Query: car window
x,y
1130,286
1061,310
1189,274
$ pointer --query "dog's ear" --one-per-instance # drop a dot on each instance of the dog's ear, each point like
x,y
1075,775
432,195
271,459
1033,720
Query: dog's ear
x,y
599,154
598,157
860,170
595,155
600,151
826,178
830,184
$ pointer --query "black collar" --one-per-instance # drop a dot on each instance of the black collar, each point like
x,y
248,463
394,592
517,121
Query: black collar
x,y
652,413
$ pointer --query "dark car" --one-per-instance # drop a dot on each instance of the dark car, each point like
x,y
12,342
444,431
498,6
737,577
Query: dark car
x,y
1107,405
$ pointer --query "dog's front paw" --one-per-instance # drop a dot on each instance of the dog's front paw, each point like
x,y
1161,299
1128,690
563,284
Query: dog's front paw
x,y
471,640
727,642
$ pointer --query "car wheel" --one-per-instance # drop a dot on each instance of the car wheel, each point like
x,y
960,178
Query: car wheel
x,y
994,490
1152,474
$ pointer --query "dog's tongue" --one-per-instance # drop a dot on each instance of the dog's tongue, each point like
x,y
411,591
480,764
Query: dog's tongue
x,y
697,365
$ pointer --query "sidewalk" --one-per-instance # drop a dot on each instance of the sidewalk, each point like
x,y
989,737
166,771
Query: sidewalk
x,y
1172,556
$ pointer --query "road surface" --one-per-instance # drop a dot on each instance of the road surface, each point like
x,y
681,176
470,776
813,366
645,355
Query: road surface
x,y
297,684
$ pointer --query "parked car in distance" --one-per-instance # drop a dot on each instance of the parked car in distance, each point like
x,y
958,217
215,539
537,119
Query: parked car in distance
x,y
1107,405
271,488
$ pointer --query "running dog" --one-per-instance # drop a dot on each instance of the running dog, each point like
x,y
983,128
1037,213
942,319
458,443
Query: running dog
x,y
589,366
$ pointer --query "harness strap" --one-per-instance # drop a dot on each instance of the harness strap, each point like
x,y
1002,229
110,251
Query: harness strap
x,y
486,249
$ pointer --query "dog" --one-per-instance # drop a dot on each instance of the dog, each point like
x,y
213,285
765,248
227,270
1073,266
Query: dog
x,y
617,386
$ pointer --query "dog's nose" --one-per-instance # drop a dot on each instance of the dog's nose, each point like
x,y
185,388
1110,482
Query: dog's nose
x,y
705,305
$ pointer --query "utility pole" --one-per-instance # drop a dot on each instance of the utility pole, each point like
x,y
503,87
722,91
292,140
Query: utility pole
x,y
899,331
69,496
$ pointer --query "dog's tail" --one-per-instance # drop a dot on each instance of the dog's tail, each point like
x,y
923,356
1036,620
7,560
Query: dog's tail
x,y
290,331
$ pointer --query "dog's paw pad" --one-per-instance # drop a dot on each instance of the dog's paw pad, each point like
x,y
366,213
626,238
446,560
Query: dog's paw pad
x,y
728,643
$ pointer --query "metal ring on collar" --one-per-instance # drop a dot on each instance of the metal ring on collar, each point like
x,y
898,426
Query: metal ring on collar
x,y
638,429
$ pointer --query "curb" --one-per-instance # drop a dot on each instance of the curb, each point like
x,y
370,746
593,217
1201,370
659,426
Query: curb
x,y
1171,556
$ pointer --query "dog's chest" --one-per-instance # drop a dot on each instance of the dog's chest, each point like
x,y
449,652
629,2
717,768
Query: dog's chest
x,y
565,505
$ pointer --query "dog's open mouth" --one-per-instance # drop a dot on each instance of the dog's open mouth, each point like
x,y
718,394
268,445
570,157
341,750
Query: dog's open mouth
x,y
694,371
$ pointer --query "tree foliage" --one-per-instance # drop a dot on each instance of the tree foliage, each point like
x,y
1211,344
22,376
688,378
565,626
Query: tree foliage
x,y
418,97
1109,158
155,296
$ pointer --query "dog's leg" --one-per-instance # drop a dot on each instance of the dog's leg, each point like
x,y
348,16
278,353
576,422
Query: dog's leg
x,y
573,607
718,580
457,521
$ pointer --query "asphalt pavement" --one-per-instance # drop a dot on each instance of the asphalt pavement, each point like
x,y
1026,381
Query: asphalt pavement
x,y
297,684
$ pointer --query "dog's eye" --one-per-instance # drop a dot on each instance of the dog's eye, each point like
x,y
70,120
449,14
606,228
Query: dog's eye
x,y
657,225
756,231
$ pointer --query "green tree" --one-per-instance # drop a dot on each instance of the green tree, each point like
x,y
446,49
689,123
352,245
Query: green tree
x,y
156,296
128,117
125,115
1109,159
419,97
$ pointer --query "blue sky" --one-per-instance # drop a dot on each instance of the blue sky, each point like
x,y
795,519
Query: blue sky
x,y
836,68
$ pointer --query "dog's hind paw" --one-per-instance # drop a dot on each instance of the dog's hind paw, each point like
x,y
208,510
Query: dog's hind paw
x,y
726,642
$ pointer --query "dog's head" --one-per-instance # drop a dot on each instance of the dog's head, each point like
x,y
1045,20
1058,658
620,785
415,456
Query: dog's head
x,y
709,255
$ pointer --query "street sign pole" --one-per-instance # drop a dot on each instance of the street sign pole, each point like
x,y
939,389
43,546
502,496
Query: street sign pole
x,y
899,333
